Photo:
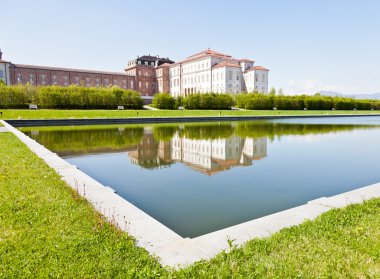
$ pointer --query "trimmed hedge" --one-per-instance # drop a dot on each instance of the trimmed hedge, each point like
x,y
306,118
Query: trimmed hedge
x,y
164,101
257,101
208,101
70,97
76,97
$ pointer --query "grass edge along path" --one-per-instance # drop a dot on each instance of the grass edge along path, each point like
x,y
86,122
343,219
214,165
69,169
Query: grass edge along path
x,y
80,114
47,230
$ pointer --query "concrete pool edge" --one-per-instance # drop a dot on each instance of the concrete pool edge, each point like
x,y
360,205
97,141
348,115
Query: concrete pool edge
x,y
157,239
151,120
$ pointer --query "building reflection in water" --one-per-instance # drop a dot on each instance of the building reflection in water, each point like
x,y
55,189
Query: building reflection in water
x,y
208,156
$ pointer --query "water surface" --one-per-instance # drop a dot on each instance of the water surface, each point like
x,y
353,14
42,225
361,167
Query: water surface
x,y
201,177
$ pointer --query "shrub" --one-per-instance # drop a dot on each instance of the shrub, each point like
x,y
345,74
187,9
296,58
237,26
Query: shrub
x,y
13,97
132,100
208,101
319,102
70,97
364,104
344,103
257,101
164,101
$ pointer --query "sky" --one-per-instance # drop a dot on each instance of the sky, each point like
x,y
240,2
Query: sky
x,y
308,45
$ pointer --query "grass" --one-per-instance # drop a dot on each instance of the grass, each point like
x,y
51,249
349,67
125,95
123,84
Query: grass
x,y
60,114
48,231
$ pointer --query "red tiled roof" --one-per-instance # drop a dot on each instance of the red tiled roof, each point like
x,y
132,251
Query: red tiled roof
x,y
204,54
258,68
164,65
3,61
246,60
208,52
226,64
65,69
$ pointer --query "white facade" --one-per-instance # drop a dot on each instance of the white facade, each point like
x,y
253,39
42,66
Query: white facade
x,y
256,80
211,71
212,156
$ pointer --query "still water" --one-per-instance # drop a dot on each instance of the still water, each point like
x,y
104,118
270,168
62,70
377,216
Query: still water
x,y
201,177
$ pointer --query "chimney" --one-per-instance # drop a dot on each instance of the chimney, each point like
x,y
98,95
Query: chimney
x,y
1,54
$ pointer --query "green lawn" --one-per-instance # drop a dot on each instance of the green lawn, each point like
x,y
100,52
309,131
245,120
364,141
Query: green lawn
x,y
48,231
51,114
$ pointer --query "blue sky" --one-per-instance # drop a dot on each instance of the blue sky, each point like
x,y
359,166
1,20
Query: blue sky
x,y
307,45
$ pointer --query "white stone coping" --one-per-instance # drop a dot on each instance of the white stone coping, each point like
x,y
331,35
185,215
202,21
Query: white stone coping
x,y
172,249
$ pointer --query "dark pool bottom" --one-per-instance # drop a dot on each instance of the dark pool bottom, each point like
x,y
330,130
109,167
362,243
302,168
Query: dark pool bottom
x,y
199,179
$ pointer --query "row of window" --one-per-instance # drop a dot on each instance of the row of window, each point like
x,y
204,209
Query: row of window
x,y
204,78
190,68
146,85
194,67
77,80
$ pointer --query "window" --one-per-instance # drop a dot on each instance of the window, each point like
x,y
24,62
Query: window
x,y
43,79
139,84
1,74
146,85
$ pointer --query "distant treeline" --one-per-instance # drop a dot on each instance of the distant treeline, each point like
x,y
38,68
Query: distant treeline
x,y
68,97
257,101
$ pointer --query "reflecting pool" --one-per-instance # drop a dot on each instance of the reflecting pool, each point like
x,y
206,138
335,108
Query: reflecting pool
x,y
201,177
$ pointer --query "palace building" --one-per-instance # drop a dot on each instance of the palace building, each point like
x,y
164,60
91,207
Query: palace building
x,y
206,71
212,71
